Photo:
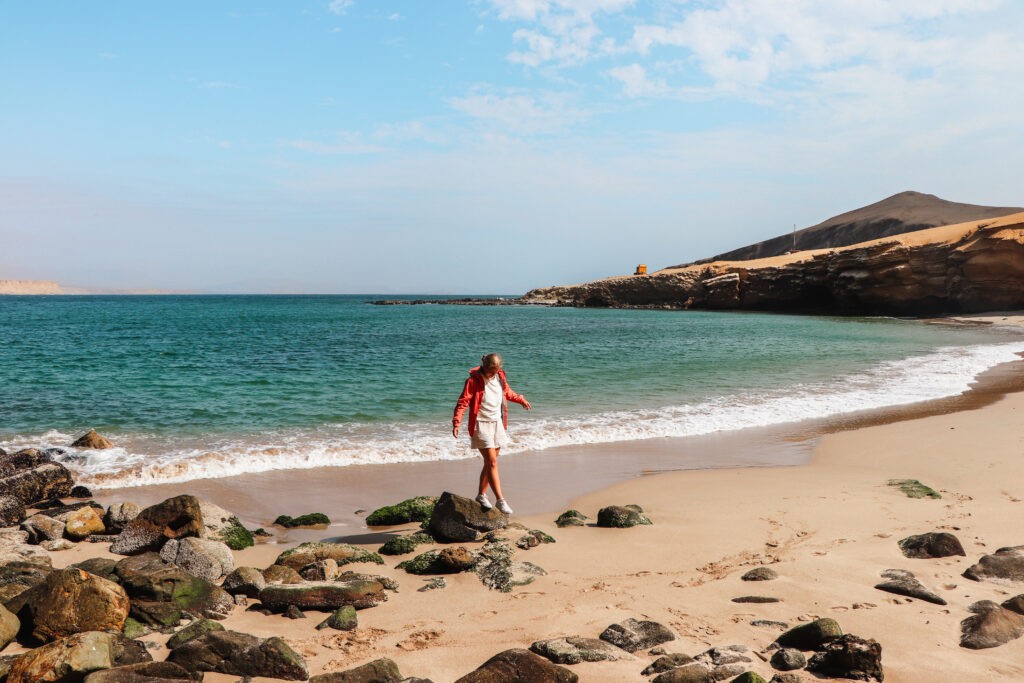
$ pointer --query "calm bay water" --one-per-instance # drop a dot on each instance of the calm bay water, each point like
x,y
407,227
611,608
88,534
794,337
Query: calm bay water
x,y
200,386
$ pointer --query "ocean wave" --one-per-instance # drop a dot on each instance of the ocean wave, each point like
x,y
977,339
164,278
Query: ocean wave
x,y
945,372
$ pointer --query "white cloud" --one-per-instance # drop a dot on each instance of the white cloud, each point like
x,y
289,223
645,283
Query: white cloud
x,y
339,7
219,85
636,82
518,112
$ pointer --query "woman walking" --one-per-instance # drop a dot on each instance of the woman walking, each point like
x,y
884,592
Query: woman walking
x,y
486,394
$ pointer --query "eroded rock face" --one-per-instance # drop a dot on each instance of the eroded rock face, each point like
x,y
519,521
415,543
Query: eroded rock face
x,y
12,510
459,519
35,484
519,665
73,601
240,654
118,515
980,269
9,627
200,557
178,517
68,659
147,578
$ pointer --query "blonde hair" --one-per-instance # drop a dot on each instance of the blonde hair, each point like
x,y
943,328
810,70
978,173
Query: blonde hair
x,y
490,360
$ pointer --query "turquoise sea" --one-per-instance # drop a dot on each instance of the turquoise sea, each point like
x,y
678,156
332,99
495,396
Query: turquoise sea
x,y
210,386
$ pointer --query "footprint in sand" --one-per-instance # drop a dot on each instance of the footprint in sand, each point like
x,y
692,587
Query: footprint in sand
x,y
419,640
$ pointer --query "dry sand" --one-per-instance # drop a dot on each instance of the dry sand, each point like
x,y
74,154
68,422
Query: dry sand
x,y
828,527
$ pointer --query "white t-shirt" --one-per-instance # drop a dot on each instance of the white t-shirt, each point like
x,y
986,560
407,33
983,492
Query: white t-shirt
x,y
490,406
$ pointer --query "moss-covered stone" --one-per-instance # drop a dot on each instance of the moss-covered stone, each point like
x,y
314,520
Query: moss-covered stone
x,y
812,635
621,517
402,545
534,538
342,553
416,509
134,629
912,488
749,677
235,536
342,619
311,519
571,518
423,563
194,630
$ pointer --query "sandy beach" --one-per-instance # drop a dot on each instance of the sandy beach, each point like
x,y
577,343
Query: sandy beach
x,y
828,524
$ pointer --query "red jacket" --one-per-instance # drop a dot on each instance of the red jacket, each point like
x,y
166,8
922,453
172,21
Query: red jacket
x,y
473,395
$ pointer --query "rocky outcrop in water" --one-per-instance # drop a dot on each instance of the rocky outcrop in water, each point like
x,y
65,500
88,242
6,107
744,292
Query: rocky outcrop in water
x,y
968,268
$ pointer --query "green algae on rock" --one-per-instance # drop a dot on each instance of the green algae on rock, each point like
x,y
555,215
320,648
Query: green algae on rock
x,y
914,489
416,509
402,545
311,519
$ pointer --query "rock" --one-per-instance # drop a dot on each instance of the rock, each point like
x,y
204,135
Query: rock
x,y
221,525
278,573
519,666
17,578
12,510
903,583
80,491
576,649
240,654
933,544
498,572
401,545
118,515
178,517
14,547
31,485
201,557
342,553
25,459
128,651
146,577
755,599
769,623
1006,564
760,574
787,677
717,657
991,625
145,672
571,518
57,546
621,516
459,519
446,561
632,634
533,538
293,612
323,595
82,523
311,519
848,657
381,670
433,584
91,439
386,581
749,677
9,627
100,566
694,672
1015,604
247,581
342,619
152,614
73,601
416,509
65,661
134,628
810,636
43,528
666,662
323,570
197,628
788,659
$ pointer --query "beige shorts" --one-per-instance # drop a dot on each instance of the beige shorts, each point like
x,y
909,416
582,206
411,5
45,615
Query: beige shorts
x,y
489,435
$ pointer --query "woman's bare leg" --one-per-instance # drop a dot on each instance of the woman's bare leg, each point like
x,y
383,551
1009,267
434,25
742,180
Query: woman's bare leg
x,y
489,472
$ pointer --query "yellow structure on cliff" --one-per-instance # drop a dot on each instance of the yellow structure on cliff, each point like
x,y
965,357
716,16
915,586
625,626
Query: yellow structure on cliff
x,y
641,269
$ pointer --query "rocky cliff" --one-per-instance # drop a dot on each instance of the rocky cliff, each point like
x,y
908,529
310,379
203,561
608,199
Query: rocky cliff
x,y
30,287
969,267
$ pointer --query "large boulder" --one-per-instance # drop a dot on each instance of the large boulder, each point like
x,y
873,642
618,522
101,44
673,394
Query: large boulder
x,y
9,627
42,482
902,582
990,625
145,672
73,601
933,544
118,515
342,553
221,525
848,657
635,634
83,522
17,578
1005,564
67,660
459,519
519,666
42,528
576,649
25,459
202,557
146,577
240,654
622,516
247,581
14,547
12,510
325,596
810,636
416,509
92,439
381,670
196,629
178,517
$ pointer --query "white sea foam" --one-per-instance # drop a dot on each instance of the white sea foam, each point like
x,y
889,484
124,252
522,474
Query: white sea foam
x,y
945,372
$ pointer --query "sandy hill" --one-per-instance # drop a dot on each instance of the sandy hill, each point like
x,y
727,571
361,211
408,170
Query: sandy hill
x,y
898,214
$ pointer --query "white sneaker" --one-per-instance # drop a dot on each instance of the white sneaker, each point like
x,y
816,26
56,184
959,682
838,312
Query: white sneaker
x,y
503,507
484,503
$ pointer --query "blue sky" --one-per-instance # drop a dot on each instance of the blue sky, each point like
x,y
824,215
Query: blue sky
x,y
480,146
